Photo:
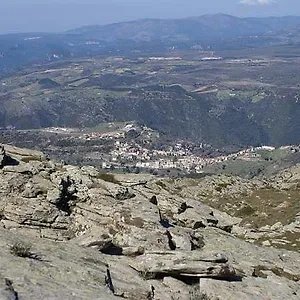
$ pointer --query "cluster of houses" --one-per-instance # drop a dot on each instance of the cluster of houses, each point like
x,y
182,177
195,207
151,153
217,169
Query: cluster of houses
x,y
177,157
130,153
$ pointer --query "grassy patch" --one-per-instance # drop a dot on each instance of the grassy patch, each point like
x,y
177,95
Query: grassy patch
x,y
247,210
259,272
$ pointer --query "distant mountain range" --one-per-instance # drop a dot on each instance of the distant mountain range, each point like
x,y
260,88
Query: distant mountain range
x,y
197,29
148,36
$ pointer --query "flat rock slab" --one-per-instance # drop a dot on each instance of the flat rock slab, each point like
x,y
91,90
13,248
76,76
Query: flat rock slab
x,y
194,264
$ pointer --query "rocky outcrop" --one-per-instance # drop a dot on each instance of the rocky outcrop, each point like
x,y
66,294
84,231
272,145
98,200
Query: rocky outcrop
x,y
5,159
132,236
268,208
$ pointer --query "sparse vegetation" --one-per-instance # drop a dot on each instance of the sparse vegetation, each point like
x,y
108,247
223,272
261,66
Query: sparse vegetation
x,y
161,184
147,275
227,112
21,249
196,294
48,83
259,272
108,177
246,210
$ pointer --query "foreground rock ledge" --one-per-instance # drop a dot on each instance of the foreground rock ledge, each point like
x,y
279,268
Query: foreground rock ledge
x,y
91,236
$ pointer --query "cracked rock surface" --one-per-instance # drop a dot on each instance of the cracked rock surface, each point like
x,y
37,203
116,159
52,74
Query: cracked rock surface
x,y
101,237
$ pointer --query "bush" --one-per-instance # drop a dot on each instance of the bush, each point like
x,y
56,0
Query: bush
x,y
21,249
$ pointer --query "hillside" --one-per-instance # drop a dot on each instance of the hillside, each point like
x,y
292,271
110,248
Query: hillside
x,y
215,32
75,233
197,29
244,98
232,82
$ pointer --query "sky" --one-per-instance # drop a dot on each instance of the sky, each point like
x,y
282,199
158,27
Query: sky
x,y
60,15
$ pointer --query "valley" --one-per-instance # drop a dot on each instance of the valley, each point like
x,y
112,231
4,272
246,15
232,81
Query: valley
x,y
149,160
189,112
239,99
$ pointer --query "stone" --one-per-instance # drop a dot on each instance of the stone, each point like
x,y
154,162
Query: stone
x,y
266,243
186,265
7,291
124,194
5,159
79,226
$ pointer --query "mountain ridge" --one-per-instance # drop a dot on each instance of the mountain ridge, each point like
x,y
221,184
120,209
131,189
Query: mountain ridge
x,y
212,26
213,32
291,20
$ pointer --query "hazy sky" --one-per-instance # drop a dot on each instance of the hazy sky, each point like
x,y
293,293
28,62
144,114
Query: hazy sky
x,y
59,15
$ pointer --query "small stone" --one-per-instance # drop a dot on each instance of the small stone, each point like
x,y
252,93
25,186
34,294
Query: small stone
x,y
266,243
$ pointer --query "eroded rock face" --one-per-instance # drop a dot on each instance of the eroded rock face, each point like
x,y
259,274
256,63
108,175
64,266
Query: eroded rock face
x,y
131,237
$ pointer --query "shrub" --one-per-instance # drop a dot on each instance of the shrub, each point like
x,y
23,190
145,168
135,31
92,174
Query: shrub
x,y
21,249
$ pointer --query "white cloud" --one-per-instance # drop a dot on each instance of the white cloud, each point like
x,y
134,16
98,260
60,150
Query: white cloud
x,y
256,2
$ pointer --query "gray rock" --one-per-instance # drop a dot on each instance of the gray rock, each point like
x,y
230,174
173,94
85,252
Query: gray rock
x,y
7,291
80,226
124,194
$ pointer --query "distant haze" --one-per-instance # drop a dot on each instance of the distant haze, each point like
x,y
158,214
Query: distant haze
x,y
60,15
